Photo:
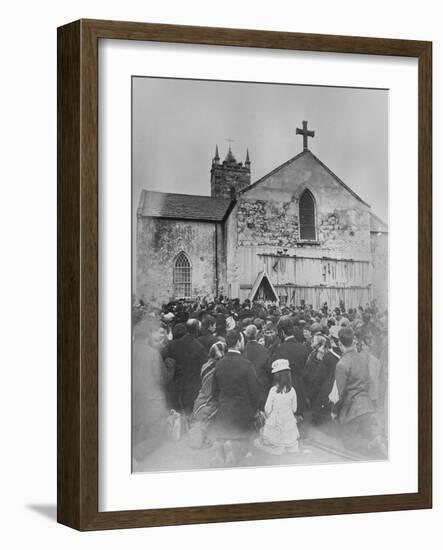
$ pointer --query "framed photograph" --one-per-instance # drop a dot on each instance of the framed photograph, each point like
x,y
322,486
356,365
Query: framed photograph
x,y
244,275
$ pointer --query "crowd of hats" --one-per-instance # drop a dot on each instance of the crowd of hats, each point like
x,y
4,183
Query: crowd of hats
x,y
230,314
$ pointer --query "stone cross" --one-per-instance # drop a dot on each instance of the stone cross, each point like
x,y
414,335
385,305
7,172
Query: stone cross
x,y
305,133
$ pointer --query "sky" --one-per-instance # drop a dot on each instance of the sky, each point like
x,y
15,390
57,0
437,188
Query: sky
x,y
177,124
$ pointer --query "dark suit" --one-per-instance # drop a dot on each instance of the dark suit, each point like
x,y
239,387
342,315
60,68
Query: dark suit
x,y
321,405
297,354
237,391
258,355
189,356
207,339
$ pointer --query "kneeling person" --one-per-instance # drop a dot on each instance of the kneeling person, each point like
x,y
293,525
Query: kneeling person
x,y
354,409
280,432
237,392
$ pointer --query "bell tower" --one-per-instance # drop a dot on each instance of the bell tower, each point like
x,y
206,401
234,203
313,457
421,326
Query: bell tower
x,y
229,177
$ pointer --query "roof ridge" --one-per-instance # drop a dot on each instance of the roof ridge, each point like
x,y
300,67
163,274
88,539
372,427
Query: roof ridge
x,y
273,171
157,204
338,179
183,194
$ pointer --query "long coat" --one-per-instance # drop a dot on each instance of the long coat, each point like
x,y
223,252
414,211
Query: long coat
x,y
352,377
297,355
258,355
189,356
149,379
237,391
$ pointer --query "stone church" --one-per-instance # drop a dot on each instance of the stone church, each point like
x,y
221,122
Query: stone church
x,y
297,234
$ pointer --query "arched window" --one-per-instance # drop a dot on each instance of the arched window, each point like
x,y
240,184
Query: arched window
x,y
182,277
307,216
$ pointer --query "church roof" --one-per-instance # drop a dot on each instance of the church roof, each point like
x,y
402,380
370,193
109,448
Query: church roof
x,y
377,225
291,160
154,204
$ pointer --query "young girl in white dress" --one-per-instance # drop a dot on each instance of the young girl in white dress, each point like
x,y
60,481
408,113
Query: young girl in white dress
x,y
280,433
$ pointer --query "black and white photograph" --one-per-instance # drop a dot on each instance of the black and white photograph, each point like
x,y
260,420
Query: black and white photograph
x,y
259,274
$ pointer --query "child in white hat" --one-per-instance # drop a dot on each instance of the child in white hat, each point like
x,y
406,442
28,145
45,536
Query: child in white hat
x,y
280,433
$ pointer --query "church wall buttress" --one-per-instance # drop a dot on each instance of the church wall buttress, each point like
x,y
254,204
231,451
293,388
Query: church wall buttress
x,y
233,267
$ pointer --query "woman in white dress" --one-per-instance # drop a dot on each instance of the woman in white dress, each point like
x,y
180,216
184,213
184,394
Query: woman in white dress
x,y
280,432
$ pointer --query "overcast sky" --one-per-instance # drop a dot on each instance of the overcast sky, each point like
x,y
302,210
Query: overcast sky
x,y
177,123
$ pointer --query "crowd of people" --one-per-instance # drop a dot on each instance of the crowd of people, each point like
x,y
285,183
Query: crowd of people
x,y
245,377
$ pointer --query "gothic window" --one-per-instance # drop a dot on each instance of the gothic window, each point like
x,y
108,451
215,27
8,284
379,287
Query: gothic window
x,y
182,277
307,216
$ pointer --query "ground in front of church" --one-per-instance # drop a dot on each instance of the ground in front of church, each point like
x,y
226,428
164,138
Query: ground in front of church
x,y
318,445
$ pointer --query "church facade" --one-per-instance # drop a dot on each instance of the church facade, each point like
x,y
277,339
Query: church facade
x,y
297,234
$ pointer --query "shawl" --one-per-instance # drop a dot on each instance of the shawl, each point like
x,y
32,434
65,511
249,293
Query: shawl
x,y
205,406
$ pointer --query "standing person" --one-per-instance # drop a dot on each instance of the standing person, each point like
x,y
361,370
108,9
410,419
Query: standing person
x,y
149,380
307,337
354,409
220,327
313,373
373,369
321,405
189,356
384,356
236,389
207,337
280,433
296,353
270,338
258,355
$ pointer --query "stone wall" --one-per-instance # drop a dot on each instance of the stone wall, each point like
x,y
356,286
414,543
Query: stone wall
x,y
275,223
268,213
159,241
267,222
227,176
380,268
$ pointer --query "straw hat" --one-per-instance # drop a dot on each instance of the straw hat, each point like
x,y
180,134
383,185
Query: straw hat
x,y
279,365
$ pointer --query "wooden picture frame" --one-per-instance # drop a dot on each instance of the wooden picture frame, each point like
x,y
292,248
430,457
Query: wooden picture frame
x,y
77,455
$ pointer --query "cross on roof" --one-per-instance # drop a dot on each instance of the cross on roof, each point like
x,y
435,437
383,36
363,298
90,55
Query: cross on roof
x,y
305,133
230,141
